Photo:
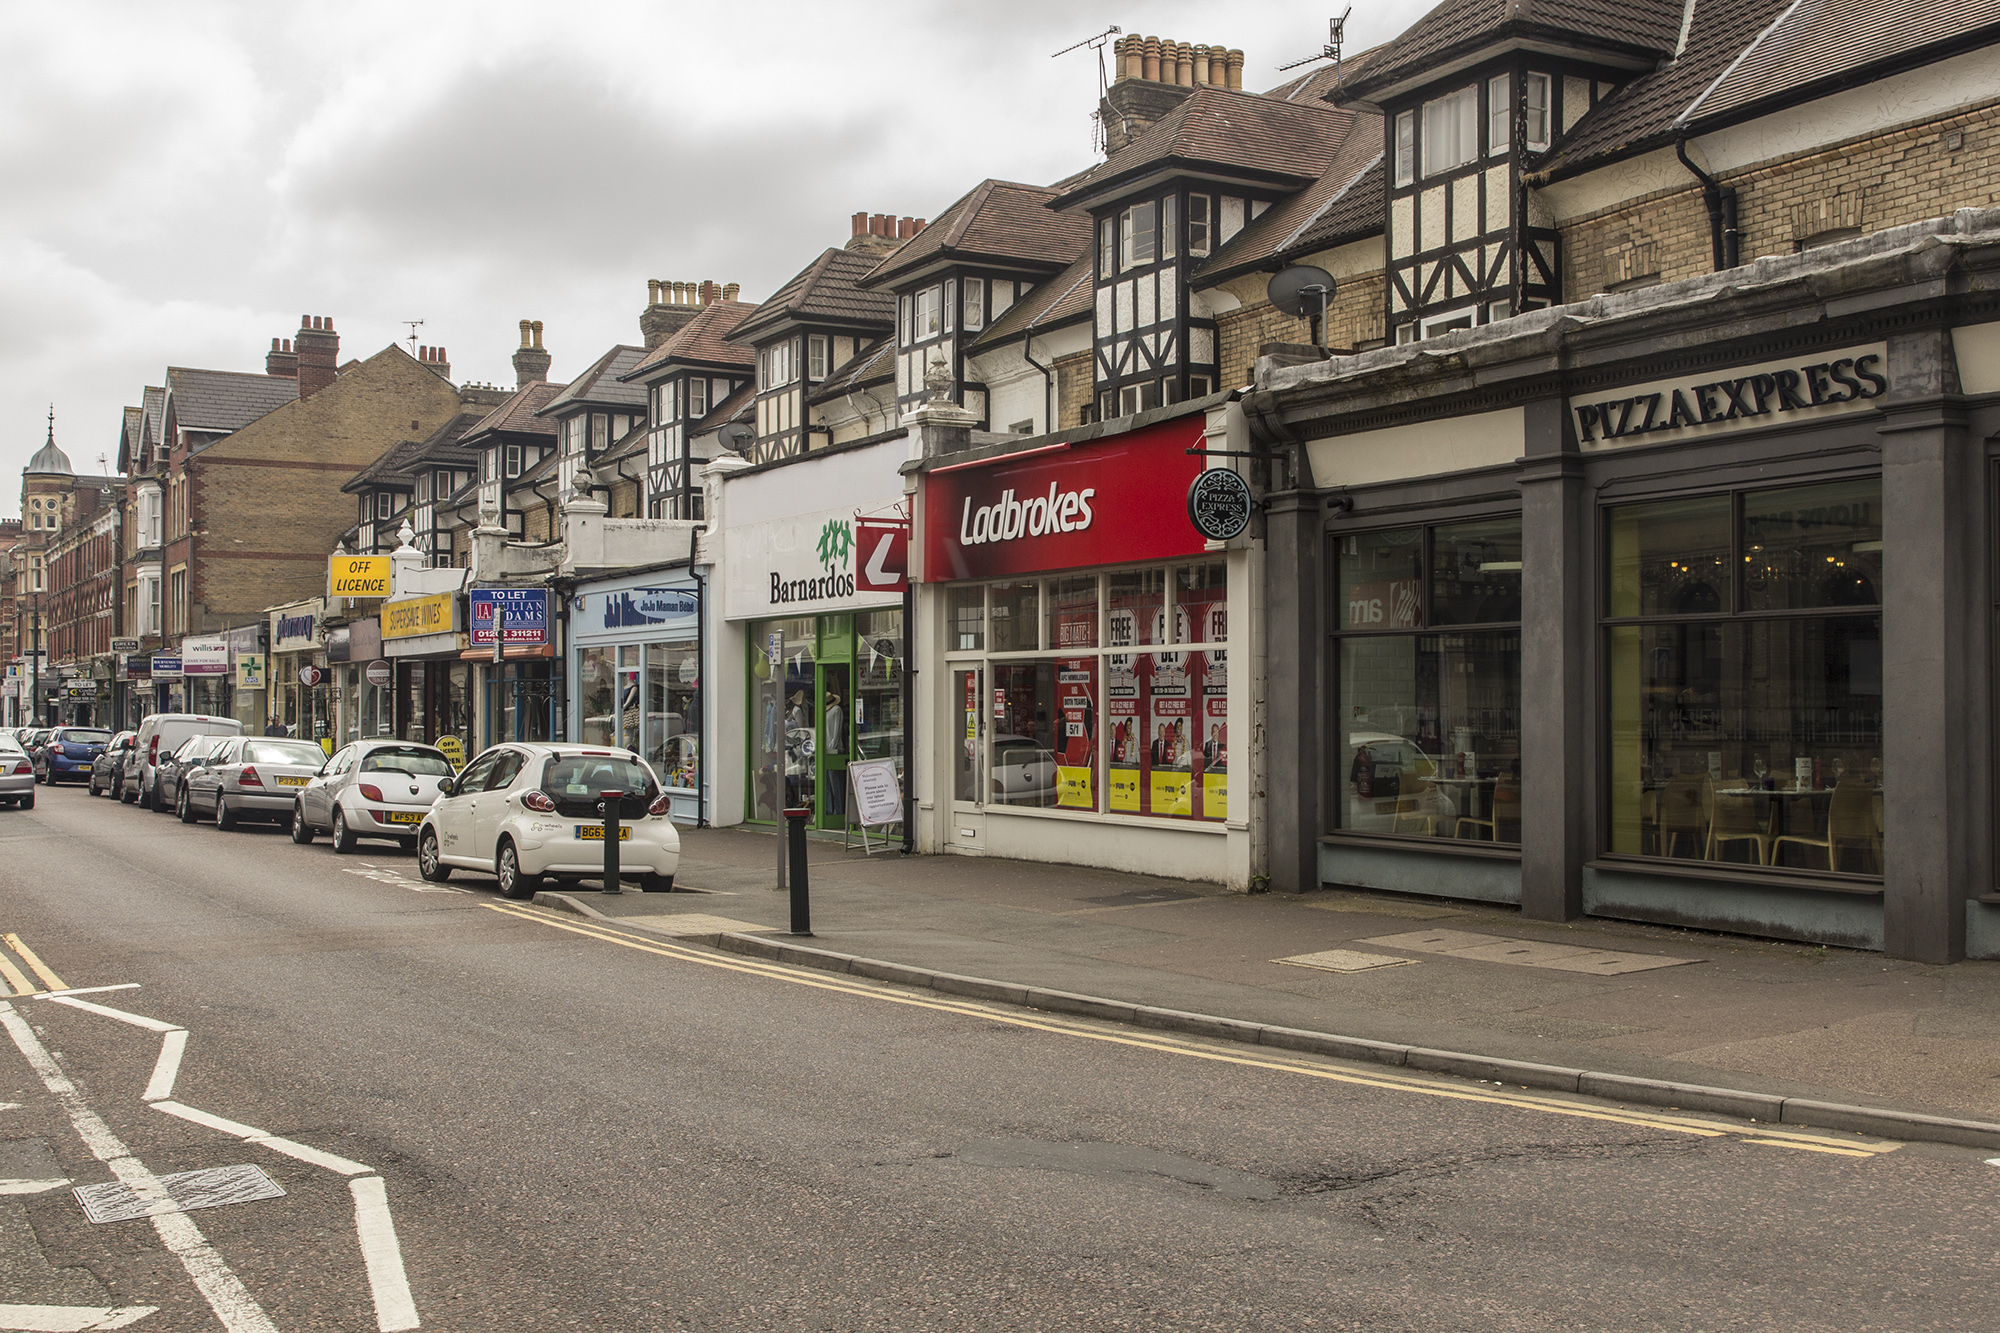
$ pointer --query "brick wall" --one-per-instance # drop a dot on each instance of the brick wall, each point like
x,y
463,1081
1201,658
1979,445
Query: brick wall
x,y
1076,388
625,500
1354,316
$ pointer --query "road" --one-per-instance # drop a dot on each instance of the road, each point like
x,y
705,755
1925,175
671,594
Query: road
x,y
485,1117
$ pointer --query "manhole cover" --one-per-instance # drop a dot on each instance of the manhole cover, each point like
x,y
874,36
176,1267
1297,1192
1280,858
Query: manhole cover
x,y
1136,896
1343,960
215,1187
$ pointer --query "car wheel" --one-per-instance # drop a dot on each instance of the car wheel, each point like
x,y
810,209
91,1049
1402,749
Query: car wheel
x,y
158,802
27,802
343,837
302,832
514,882
429,864
184,807
127,795
656,883
224,820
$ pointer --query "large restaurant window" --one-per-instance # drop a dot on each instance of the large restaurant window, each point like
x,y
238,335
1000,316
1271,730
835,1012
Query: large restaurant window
x,y
1100,693
1428,660
1744,651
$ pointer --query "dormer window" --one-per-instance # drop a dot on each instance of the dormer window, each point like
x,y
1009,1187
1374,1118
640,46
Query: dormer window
x,y
1536,131
1451,131
950,300
697,398
816,356
1106,239
384,504
599,426
1200,224
1499,115
1138,239
513,468
975,304
925,316
1168,248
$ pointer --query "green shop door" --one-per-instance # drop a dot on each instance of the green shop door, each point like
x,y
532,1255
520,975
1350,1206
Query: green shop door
x,y
833,712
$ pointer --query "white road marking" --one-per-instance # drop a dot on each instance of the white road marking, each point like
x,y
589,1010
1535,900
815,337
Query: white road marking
x,y
71,1318
385,875
225,1293
168,1067
394,1307
30,1187
136,1020
10,1106
88,990
251,1134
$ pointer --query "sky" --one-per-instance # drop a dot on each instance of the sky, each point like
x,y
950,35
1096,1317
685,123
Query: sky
x,y
185,180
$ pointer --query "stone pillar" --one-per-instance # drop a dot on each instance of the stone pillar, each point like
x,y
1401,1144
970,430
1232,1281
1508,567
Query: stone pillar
x,y
1558,796
1295,673
1937,790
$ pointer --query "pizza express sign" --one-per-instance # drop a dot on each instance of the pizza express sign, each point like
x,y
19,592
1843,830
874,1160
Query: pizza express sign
x,y
1748,396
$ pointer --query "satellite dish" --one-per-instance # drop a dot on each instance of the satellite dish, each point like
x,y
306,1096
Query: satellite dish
x,y
737,436
1301,290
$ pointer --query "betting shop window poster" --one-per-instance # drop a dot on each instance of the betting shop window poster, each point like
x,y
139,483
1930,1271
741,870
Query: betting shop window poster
x,y
1210,623
1123,769
1076,755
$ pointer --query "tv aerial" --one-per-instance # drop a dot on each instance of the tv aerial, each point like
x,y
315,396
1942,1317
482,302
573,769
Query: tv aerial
x,y
1303,291
1336,31
1096,44
414,324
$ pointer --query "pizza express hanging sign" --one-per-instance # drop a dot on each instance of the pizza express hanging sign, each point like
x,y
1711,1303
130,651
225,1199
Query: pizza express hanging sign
x,y
1744,397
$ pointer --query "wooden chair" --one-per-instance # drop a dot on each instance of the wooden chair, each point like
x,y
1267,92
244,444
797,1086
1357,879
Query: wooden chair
x,y
1685,807
1735,820
1503,817
1850,822
1416,805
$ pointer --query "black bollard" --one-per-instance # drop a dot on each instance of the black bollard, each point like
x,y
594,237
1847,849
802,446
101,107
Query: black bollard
x,y
611,836
795,832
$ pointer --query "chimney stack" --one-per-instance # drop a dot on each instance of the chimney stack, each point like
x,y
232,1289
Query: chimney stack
x,y
1151,77
531,363
317,353
281,361
876,233
435,359
671,305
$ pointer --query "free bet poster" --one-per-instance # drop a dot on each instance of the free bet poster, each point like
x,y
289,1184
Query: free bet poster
x,y
1076,755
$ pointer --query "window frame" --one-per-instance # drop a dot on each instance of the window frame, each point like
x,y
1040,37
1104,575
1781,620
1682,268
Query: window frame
x,y
1499,115
1200,230
1455,114
1405,148
1535,118
1139,222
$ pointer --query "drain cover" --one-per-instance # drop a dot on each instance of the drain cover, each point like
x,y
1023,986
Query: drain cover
x,y
115,1201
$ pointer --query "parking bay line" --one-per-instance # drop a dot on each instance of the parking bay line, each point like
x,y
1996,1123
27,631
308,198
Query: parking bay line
x,y
1388,1082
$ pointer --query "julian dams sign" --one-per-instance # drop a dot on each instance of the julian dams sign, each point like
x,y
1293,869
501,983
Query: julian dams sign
x,y
1744,396
1097,502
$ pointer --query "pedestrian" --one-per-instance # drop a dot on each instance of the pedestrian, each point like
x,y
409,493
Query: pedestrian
x,y
276,728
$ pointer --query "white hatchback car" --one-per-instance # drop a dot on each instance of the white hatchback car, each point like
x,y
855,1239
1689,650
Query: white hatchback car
x,y
522,811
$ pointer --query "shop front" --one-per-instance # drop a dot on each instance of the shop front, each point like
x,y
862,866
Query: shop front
x,y
523,692
635,645
816,635
423,639
1083,702
300,691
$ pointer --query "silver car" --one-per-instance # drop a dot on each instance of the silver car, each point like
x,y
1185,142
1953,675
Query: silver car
x,y
17,775
249,777
370,789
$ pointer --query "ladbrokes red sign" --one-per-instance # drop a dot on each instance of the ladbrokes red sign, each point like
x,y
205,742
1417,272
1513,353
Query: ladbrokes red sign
x,y
1100,502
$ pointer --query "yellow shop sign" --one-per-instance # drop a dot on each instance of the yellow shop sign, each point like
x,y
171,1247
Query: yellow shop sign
x,y
357,576
418,615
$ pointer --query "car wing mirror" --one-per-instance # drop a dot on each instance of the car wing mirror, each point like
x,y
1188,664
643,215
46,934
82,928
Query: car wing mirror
x,y
448,786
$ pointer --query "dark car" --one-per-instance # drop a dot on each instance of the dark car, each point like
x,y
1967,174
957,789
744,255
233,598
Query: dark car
x,y
170,771
69,752
107,771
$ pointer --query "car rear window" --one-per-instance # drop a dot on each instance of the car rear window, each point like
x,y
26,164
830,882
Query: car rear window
x,y
411,759
575,776
282,752
84,737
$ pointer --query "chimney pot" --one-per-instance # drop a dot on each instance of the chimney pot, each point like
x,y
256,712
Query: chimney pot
x,y
860,222
538,335
1150,60
652,291
1235,69
919,226
527,328
1200,63
731,290
1183,65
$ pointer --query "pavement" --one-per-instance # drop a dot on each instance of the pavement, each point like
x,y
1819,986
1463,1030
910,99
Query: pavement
x,y
1646,1002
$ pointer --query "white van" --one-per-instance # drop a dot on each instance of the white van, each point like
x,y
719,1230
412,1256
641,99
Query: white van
x,y
162,733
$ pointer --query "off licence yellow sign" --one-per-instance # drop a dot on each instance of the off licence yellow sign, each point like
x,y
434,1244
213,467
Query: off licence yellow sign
x,y
417,615
357,576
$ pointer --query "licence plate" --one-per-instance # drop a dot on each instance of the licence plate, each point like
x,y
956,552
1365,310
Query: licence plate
x,y
405,816
292,782
589,831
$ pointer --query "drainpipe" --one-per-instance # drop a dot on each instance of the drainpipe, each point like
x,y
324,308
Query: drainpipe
x,y
1721,202
1048,384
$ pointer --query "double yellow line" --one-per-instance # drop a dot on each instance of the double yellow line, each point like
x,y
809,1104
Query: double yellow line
x,y
15,978
1452,1091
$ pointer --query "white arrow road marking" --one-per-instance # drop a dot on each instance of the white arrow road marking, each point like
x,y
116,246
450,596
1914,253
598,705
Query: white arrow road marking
x,y
251,1134
71,1318
31,1187
222,1289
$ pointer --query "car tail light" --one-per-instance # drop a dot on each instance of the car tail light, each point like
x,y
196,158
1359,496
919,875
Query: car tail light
x,y
370,792
153,752
538,801
248,777
663,806
21,768
56,748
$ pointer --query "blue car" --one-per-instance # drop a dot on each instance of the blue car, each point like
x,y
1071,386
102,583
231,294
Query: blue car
x,y
69,752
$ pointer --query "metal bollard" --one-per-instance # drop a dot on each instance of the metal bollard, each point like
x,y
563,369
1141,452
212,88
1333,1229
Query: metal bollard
x,y
795,834
611,836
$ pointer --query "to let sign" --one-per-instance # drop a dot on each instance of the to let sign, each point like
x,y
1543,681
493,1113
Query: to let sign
x,y
526,611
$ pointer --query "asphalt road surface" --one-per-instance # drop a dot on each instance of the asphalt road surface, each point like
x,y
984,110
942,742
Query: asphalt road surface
x,y
469,1115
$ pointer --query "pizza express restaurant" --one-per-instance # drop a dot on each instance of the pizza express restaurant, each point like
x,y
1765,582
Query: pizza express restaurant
x,y
1705,640
1089,647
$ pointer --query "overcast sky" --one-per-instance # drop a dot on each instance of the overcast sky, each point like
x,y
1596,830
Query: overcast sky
x,y
184,180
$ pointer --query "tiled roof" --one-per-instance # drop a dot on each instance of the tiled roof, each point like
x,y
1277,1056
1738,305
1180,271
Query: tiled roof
x,y
602,384
1457,27
631,442
131,431
154,405
1640,116
1242,134
446,447
875,366
395,467
704,341
736,407
999,221
1340,206
220,401
824,292
1062,299
517,414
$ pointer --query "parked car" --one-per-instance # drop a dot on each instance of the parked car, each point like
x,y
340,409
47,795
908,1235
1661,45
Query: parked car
x,y
370,789
523,811
170,774
70,751
248,777
159,736
107,771
31,740
17,775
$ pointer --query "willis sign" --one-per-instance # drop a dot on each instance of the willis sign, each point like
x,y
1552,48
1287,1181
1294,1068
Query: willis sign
x,y
1068,506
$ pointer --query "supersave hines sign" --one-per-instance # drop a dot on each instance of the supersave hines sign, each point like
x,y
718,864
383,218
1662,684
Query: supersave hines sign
x,y
1098,502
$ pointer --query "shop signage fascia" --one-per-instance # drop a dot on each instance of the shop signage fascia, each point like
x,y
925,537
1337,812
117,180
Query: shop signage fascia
x,y
122,645
1113,500
295,628
414,617
166,666
788,536
1751,397
629,611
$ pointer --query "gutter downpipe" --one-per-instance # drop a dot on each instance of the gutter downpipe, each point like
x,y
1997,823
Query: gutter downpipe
x,y
1721,202
1048,381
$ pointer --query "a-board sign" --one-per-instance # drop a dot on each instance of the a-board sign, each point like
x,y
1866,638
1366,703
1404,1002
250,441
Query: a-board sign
x,y
878,793
454,750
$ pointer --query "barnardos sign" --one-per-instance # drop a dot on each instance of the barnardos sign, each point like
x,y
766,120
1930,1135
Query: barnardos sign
x,y
1096,502
1743,397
